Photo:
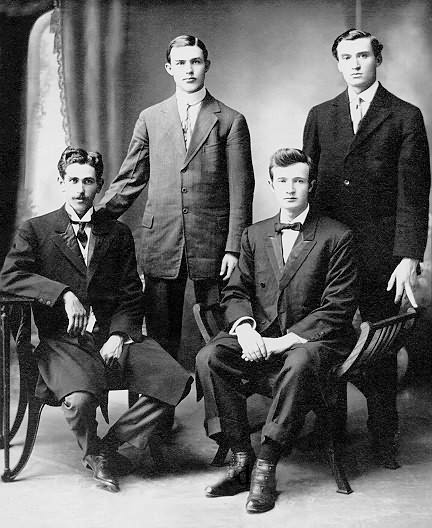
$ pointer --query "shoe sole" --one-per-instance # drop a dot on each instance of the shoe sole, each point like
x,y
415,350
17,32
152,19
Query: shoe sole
x,y
106,486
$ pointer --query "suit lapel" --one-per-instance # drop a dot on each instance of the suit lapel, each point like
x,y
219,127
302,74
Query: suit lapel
x,y
102,235
172,124
66,241
340,122
303,246
273,247
206,120
378,112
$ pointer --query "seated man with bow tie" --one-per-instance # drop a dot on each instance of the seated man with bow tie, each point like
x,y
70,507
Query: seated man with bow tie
x,y
80,268
288,308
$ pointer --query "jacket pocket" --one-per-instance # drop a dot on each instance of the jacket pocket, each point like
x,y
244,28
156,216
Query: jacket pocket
x,y
147,220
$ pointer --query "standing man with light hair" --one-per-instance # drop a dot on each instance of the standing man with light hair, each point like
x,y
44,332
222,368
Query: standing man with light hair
x,y
372,157
194,154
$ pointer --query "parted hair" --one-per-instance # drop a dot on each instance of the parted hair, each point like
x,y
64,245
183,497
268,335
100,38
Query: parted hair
x,y
78,155
186,40
354,34
284,157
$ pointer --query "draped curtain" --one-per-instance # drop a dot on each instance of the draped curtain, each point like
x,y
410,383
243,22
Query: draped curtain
x,y
16,21
90,43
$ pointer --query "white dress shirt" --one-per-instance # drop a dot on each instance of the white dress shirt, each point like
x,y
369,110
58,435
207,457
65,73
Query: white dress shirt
x,y
360,103
189,105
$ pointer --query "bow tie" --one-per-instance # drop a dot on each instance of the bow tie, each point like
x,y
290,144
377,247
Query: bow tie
x,y
296,226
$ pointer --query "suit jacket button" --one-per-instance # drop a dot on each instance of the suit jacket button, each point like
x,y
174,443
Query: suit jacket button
x,y
184,190
346,182
185,210
262,284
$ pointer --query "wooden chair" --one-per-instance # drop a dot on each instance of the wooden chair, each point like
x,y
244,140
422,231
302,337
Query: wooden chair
x,y
375,341
20,316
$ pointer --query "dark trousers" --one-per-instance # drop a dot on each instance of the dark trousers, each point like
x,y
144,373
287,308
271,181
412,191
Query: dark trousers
x,y
136,426
291,379
164,305
380,386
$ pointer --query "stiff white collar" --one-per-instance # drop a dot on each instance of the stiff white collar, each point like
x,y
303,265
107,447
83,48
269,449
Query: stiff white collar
x,y
299,218
73,216
366,96
190,99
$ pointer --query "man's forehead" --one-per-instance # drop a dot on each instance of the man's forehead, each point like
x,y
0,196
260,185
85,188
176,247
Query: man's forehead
x,y
186,53
80,169
295,170
354,46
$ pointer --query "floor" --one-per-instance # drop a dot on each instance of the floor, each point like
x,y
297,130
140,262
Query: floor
x,y
54,490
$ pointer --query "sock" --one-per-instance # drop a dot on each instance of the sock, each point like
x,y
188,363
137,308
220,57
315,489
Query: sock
x,y
270,451
244,446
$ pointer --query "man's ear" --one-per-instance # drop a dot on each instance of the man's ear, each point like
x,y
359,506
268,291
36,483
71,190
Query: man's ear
x,y
168,68
100,185
61,182
207,65
312,185
378,60
339,66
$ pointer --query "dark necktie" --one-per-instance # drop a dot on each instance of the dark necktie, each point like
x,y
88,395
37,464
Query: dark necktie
x,y
296,226
81,234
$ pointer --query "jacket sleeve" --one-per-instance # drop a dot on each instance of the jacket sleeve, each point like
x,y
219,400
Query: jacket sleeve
x,y
413,189
133,176
20,272
241,182
311,143
129,313
238,293
338,300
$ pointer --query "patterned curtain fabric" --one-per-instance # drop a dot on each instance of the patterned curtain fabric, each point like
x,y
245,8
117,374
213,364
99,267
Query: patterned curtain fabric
x,y
90,44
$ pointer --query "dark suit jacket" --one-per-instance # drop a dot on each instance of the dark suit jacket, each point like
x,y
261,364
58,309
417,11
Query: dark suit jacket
x,y
377,181
45,261
198,201
311,295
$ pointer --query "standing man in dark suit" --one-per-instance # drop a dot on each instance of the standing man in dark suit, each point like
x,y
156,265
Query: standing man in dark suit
x,y
372,157
194,154
288,307
81,270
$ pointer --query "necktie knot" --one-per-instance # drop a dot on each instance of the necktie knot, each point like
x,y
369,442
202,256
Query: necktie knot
x,y
81,234
296,226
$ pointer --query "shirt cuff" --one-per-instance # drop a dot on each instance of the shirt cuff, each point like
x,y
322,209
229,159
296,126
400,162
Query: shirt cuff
x,y
242,320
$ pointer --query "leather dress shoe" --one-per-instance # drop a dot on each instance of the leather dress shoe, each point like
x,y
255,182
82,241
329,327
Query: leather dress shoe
x,y
237,478
102,474
262,494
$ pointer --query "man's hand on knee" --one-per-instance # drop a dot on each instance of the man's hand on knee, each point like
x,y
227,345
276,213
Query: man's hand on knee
x,y
76,314
278,345
112,348
251,342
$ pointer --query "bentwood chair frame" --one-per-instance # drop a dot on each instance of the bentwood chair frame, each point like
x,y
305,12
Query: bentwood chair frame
x,y
16,323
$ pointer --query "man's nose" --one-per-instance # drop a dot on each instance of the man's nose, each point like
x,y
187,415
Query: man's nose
x,y
355,64
189,67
